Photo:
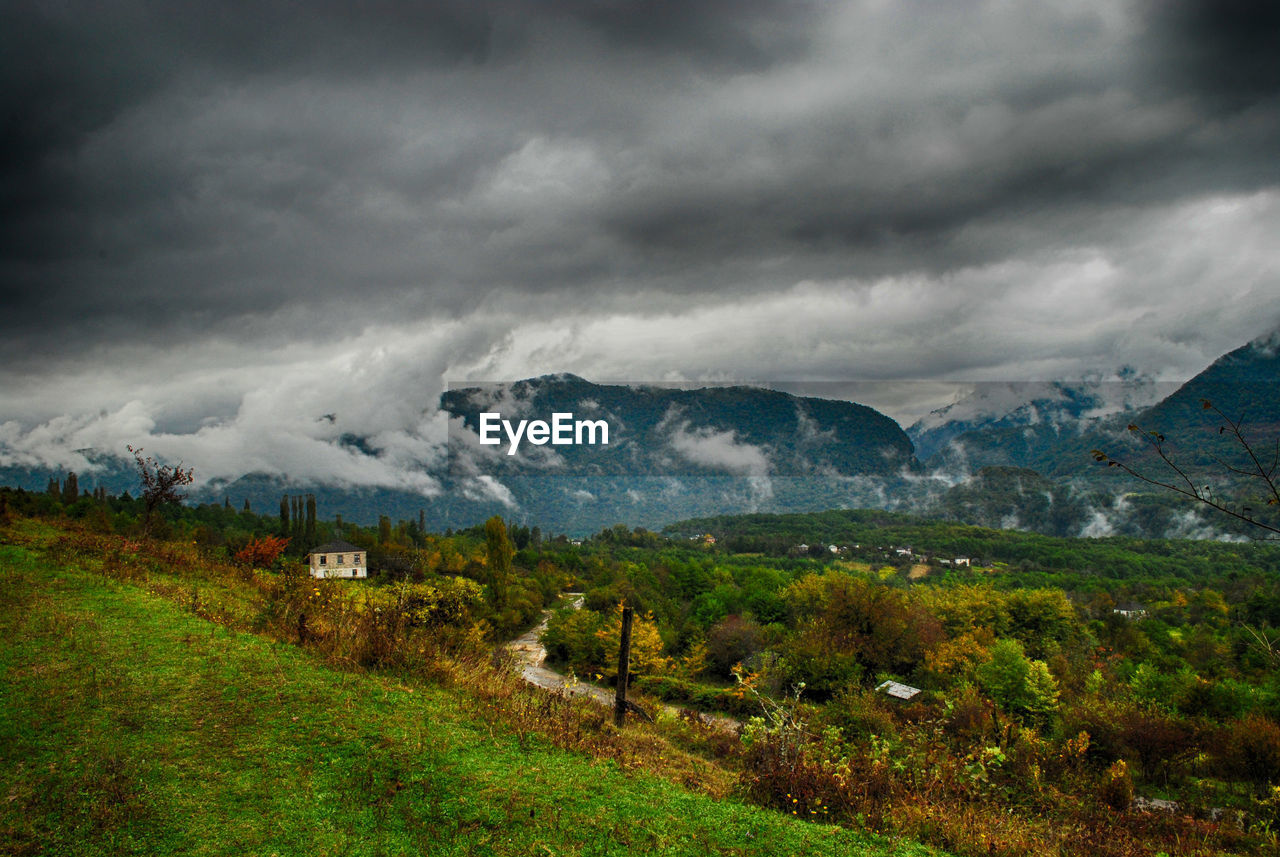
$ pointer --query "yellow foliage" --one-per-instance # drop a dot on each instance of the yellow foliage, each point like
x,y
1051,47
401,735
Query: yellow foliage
x,y
955,659
647,650
694,662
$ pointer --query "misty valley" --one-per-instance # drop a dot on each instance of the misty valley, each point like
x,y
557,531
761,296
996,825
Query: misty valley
x,y
1022,644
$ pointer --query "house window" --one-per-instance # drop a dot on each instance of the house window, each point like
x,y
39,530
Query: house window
x,y
323,559
339,559
355,558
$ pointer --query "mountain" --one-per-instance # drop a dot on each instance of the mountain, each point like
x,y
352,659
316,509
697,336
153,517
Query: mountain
x,y
997,406
671,453
657,431
1242,384
679,453
674,452
1039,425
1014,498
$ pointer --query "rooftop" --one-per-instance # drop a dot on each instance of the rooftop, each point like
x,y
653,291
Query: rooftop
x,y
336,546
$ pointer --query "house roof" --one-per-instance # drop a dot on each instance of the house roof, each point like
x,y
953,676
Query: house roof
x,y
896,689
336,546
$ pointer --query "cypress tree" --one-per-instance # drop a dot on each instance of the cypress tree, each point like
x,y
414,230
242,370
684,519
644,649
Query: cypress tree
x,y
498,551
284,515
246,505
311,520
71,488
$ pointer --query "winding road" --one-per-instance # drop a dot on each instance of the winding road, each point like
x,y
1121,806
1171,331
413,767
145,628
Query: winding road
x,y
531,655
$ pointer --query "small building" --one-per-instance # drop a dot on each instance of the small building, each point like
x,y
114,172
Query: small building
x,y
963,560
1131,610
339,559
897,690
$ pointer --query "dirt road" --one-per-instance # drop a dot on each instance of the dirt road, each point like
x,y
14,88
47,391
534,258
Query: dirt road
x,y
530,656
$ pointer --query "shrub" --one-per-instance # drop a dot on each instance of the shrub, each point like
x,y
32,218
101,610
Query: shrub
x,y
968,715
1116,788
1161,744
1253,750
262,552
732,641
859,715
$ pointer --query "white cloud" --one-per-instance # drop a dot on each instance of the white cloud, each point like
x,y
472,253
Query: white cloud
x,y
720,450
1079,311
483,489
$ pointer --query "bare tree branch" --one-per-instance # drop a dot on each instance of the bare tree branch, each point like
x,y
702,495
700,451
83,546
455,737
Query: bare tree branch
x,y
1182,483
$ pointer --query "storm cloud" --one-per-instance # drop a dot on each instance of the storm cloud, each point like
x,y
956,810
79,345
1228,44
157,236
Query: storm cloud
x,y
220,222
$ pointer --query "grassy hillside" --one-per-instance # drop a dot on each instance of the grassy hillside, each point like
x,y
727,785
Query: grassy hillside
x,y
134,723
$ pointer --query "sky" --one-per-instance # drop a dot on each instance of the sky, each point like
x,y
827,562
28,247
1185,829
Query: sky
x,y
231,232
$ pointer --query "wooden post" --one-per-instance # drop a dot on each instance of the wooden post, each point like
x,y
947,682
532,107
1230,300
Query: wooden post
x,y
624,667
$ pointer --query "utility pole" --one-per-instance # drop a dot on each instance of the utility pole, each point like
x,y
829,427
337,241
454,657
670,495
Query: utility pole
x,y
624,668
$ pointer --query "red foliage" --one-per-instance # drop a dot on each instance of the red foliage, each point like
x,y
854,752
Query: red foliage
x,y
262,552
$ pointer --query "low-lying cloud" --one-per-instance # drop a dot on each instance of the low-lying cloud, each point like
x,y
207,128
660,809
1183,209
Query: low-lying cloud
x,y
219,227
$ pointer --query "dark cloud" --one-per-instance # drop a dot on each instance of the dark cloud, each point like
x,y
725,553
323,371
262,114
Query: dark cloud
x,y
1224,50
738,35
258,176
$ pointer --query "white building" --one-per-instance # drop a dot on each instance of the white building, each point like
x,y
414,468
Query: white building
x,y
339,559
898,690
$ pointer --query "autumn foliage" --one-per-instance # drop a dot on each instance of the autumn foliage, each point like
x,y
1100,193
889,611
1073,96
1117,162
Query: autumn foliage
x,y
262,552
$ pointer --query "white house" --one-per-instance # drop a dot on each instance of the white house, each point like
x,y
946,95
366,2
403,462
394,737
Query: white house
x,y
339,559
1131,610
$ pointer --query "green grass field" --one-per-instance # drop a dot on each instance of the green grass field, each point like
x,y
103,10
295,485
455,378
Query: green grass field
x,y
129,726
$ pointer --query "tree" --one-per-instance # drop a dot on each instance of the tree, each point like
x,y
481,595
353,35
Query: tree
x,y
1255,472
1016,683
498,553
297,533
71,489
310,533
160,484
284,515
262,552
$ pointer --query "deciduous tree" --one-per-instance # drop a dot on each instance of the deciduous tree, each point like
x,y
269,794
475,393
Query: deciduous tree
x,y
160,484
262,552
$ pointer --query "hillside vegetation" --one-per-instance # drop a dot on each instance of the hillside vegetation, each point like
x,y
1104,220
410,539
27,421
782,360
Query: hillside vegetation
x,y
1063,684
141,715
